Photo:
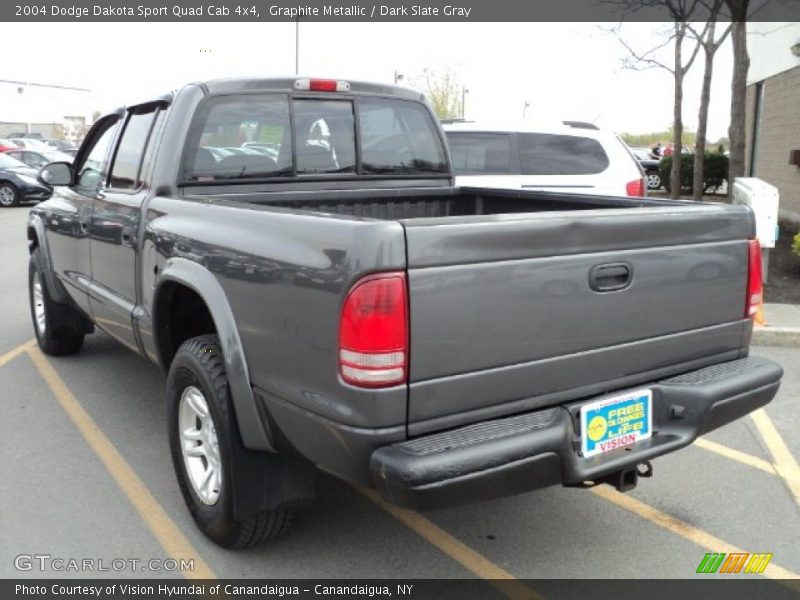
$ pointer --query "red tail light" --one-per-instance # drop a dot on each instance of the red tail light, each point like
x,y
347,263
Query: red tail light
x,y
754,287
321,85
635,187
373,332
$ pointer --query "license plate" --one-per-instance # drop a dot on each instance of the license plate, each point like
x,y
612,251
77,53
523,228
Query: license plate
x,y
615,422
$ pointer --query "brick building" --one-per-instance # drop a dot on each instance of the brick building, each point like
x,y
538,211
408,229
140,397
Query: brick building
x,y
773,110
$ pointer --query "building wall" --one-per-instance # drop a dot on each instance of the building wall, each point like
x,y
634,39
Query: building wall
x,y
778,134
768,45
42,108
48,130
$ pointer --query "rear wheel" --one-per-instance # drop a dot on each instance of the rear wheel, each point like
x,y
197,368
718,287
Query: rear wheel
x,y
9,195
202,435
57,326
653,180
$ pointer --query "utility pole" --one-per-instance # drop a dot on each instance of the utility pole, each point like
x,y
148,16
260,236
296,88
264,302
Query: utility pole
x,y
297,46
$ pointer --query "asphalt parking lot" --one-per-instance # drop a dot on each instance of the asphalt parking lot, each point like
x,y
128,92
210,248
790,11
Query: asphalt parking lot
x,y
86,474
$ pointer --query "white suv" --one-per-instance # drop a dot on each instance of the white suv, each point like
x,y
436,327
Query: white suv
x,y
563,157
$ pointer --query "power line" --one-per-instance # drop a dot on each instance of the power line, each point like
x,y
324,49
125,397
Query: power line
x,y
45,85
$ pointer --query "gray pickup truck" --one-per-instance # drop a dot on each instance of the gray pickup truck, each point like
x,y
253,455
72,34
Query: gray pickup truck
x,y
294,255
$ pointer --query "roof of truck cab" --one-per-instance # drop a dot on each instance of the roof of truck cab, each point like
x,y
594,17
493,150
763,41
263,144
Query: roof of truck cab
x,y
271,84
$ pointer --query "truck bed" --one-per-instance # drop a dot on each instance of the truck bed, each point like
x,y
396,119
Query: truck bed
x,y
504,313
449,202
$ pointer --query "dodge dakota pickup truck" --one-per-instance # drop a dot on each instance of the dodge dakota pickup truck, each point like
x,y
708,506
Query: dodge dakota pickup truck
x,y
294,255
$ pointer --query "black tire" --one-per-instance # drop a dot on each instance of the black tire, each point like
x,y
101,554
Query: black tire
x,y
9,194
61,332
199,363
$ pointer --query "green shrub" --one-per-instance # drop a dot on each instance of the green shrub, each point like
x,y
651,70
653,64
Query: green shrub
x,y
715,171
796,244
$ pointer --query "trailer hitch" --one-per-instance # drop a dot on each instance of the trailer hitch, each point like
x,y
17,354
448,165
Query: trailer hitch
x,y
627,479
624,480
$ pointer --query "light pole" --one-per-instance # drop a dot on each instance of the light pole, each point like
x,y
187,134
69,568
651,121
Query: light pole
x,y
525,107
297,46
464,92
398,77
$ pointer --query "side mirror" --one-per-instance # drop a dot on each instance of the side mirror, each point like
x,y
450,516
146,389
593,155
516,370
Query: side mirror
x,y
56,173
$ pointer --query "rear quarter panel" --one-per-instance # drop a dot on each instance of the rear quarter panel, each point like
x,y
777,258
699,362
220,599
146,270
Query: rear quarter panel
x,y
285,275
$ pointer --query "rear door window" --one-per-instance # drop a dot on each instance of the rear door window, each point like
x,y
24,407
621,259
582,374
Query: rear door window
x,y
130,151
480,153
551,154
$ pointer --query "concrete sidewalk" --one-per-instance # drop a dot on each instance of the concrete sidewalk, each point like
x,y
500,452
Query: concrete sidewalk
x,y
781,326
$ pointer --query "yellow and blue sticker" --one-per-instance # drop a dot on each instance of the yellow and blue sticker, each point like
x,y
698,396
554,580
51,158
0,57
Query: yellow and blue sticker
x,y
615,422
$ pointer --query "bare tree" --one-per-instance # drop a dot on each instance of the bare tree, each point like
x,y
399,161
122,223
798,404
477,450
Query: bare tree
x,y
710,44
741,64
681,13
443,90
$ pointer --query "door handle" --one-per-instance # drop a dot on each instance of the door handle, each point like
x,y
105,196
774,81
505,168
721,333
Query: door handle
x,y
610,277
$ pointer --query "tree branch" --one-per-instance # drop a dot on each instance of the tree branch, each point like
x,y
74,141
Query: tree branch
x,y
644,58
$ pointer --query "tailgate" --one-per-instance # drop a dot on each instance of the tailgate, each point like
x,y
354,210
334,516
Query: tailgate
x,y
510,312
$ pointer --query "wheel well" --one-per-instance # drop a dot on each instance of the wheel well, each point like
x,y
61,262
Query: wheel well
x,y
33,241
180,314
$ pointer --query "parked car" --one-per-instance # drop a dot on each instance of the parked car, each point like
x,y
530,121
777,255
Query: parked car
x,y
6,144
37,159
561,157
32,144
60,145
23,134
18,182
650,166
344,306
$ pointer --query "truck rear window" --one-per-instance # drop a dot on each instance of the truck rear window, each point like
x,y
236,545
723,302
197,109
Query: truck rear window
x,y
253,137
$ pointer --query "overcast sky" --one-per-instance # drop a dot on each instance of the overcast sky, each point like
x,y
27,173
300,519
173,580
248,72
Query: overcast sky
x,y
564,71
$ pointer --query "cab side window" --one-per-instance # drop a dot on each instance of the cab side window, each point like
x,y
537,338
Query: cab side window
x,y
91,172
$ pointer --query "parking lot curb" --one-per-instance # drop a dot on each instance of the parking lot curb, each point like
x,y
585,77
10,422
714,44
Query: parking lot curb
x,y
779,326
788,337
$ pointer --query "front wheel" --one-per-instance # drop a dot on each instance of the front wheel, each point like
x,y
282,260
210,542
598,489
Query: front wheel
x,y
57,326
9,195
653,181
202,435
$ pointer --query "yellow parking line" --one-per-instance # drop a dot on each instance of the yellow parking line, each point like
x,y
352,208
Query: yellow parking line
x,y
12,354
747,459
686,531
784,463
159,523
737,455
473,561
